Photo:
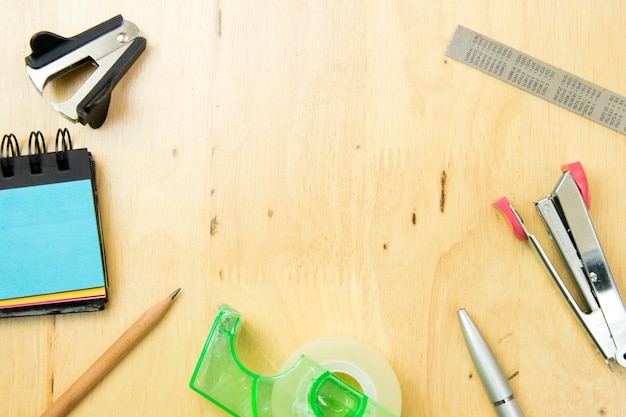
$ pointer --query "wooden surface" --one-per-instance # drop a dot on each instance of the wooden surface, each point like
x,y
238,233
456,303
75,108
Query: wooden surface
x,y
323,168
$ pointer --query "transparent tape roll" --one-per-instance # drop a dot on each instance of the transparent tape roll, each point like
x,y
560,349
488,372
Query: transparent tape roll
x,y
351,379
356,363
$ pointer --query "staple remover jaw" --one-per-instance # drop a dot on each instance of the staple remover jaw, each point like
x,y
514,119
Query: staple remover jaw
x,y
112,46
565,213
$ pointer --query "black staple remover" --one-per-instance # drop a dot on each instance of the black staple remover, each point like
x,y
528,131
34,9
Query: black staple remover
x,y
112,46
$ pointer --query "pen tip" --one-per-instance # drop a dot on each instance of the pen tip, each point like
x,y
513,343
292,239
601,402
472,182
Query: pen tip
x,y
175,293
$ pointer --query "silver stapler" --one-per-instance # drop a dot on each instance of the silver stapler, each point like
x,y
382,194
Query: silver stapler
x,y
112,46
565,213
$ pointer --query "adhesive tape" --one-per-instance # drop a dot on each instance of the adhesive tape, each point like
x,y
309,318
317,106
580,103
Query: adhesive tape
x,y
358,364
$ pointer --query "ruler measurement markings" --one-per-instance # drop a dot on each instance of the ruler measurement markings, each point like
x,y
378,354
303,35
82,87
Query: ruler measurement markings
x,y
539,78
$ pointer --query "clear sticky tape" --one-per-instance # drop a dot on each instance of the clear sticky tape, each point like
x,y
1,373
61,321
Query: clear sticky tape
x,y
305,390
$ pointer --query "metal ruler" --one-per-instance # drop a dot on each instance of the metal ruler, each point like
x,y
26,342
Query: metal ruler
x,y
539,78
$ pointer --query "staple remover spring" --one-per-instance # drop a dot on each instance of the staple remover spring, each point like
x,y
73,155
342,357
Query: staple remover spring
x,y
565,213
112,46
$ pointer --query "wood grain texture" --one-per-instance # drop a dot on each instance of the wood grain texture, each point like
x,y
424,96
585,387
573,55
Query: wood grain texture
x,y
287,158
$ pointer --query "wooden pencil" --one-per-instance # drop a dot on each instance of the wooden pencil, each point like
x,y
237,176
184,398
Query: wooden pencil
x,y
113,355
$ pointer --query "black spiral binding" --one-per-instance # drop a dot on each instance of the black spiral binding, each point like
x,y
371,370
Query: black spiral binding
x,y
42,168
36,148
64,141
9,149
38,160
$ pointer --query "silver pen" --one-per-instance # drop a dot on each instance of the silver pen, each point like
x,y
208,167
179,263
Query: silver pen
x,y
495,383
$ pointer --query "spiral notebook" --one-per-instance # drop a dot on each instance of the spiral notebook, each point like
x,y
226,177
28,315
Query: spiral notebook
x,y
51,251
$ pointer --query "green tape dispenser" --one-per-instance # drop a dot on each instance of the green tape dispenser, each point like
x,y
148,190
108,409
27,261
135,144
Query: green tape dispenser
x,y
306,389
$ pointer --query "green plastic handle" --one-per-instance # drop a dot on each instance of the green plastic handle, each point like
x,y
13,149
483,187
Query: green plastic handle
x,y
305,390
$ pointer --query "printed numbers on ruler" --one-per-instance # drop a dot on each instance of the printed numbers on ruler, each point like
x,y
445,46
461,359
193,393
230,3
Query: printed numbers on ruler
x,y
539,78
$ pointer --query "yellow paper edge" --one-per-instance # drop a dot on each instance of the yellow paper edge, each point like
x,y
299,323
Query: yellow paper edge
x,y
48,298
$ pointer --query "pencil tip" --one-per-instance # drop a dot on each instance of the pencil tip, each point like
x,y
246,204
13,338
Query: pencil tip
x,y
175,293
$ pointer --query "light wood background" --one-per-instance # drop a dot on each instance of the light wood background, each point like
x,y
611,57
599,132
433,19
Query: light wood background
x,y
323,168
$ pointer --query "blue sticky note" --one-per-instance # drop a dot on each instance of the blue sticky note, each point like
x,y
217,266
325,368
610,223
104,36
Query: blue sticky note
x,y
49,240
